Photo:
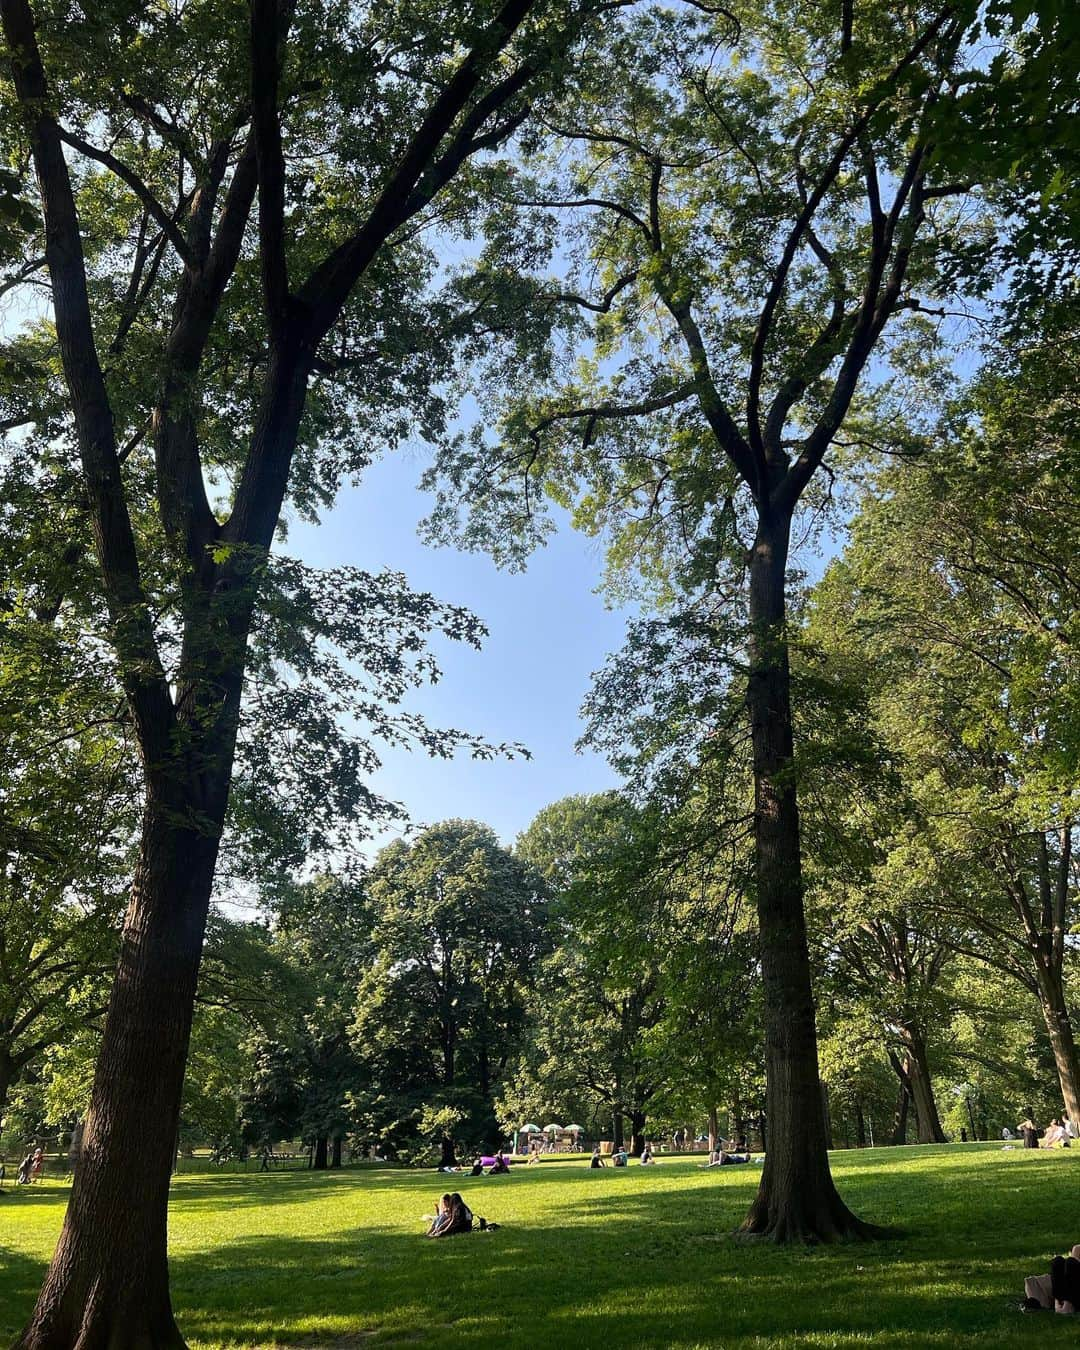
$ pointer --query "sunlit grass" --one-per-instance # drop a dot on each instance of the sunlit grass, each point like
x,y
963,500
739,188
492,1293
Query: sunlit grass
x,y
603,1259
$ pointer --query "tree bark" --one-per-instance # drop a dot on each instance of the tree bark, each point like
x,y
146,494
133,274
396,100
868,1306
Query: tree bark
x,y
617,1129
796,1201
714,1128
321,1149
637,1133
447,1157
1059,1029
900,1115
108,1284
860,1125
335,1154
922,1089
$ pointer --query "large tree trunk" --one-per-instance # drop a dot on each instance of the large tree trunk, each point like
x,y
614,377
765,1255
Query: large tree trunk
x,y
319,1162
637,1133
617,1129
714,1128
796,1201
335,1154
899,1129
108,1285
1059,1029
921,1085
447,1156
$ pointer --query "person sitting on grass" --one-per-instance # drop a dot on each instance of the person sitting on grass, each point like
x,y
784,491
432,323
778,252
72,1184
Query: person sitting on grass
x,y
477,1167
647,1159
597,1159
620,1157
1029,1131
459,1218
1055,1136
1059,1289
499,1166
441,1217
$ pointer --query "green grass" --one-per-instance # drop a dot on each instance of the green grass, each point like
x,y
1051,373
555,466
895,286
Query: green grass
x,y
602,1259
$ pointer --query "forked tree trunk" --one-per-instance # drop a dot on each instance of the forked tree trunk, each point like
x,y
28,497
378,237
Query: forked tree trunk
x,y
108,1285
921,1085
796,1201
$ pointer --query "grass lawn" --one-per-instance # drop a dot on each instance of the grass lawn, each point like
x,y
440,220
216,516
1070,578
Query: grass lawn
x,y
603,1259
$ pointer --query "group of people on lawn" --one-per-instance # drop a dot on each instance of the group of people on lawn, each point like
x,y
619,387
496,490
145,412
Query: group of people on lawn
x,y
620,1158
1058,1134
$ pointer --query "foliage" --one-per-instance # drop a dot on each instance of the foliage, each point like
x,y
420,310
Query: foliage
x,y
458,926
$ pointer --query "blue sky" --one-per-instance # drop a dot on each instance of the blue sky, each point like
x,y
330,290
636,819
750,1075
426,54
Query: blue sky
x,y
549,631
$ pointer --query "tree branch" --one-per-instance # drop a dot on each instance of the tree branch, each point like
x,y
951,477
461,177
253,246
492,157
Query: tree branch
x,y
128,175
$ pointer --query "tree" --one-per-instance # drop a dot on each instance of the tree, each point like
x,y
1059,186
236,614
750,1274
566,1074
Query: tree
x,y
67,813
243,378
958,592
747,234
323,931
441,1010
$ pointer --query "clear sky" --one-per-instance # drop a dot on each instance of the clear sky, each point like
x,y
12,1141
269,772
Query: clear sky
x,y
549,631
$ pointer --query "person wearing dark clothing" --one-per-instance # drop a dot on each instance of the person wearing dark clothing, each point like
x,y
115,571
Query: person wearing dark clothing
x,y
1060,1289
1065,1282
499,1166
597,1160
477,1168
1030,1131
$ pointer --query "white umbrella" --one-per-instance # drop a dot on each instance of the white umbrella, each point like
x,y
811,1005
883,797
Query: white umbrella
x,y
575,1129
552,1129
529,1129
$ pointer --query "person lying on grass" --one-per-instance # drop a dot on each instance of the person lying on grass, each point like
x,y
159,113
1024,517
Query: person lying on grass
x,y
722,1158
1060,1289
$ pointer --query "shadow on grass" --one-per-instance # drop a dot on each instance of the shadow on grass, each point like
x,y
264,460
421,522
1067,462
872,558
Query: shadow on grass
x,y
596,1262
568,1287
22,1278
